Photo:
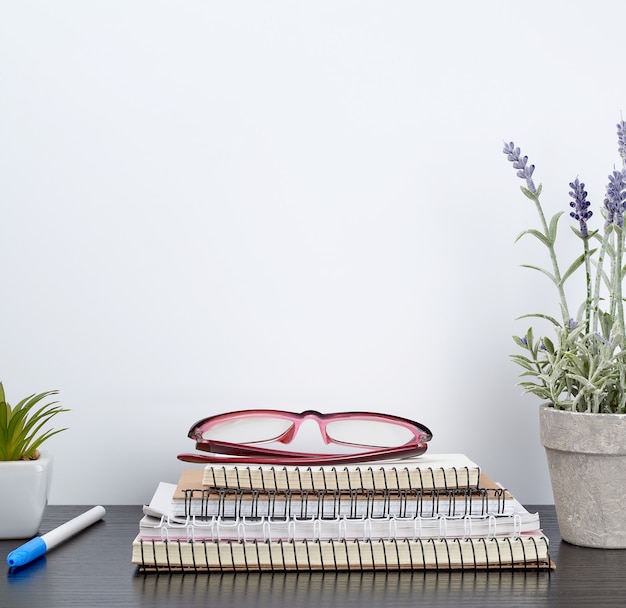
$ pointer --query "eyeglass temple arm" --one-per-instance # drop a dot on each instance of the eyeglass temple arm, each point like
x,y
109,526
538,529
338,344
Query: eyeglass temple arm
x,y
294,458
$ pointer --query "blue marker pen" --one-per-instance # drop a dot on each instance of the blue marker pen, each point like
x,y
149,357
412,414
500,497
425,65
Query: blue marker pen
x,y
39,545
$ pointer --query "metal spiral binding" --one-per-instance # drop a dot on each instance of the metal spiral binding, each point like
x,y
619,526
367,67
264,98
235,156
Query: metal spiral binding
x,y
333,503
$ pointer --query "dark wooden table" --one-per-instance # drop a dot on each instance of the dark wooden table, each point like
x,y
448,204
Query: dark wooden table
x,y
93,569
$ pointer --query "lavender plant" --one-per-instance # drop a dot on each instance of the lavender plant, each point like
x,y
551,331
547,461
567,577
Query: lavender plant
x,y
583,368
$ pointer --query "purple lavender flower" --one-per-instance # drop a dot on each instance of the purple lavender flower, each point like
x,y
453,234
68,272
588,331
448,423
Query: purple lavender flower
x,y
602,339
615,201
580,205
524,170
621,139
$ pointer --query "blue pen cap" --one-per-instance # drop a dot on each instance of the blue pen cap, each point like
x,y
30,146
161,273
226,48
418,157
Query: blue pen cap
x,y
27,552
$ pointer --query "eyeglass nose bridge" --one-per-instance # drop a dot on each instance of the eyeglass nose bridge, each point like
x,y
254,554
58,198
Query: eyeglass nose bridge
x,y
318,417
292,431
311,414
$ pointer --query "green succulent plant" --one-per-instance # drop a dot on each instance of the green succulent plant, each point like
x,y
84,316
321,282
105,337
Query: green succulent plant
x,y
21,427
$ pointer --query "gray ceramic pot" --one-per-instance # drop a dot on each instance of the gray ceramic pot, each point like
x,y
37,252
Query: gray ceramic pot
x,y
586,456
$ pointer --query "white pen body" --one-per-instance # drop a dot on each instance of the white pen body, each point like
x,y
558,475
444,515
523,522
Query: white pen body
x,y
69,528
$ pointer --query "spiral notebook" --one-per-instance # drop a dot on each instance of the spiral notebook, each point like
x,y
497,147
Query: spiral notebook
x,y
193,499
156,525
424,472
526,552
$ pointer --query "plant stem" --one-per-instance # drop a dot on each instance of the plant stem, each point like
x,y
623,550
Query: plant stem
x,y
617,285
553,258
587,285
599,273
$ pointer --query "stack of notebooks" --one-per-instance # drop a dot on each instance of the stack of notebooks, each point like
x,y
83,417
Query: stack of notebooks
x,y
434,511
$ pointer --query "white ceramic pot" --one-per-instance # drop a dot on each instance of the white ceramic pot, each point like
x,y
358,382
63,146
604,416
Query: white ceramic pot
x,y
24,487
586,456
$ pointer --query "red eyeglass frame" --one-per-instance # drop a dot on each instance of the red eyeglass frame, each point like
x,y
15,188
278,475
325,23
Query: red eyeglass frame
x,y
255,454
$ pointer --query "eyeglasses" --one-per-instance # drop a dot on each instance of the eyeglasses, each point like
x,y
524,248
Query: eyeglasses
x,y
243,437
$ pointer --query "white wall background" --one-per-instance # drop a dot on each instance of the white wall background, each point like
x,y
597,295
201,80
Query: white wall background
x,y
219,205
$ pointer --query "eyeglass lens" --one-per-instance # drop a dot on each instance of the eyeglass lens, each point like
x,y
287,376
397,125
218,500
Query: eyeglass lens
x,y
251,429
375,433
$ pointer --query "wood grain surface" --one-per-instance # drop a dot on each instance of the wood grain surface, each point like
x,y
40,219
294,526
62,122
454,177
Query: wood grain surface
x,y
93,569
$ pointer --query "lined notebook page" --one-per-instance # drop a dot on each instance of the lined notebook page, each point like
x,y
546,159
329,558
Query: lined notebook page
x,y
427,472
